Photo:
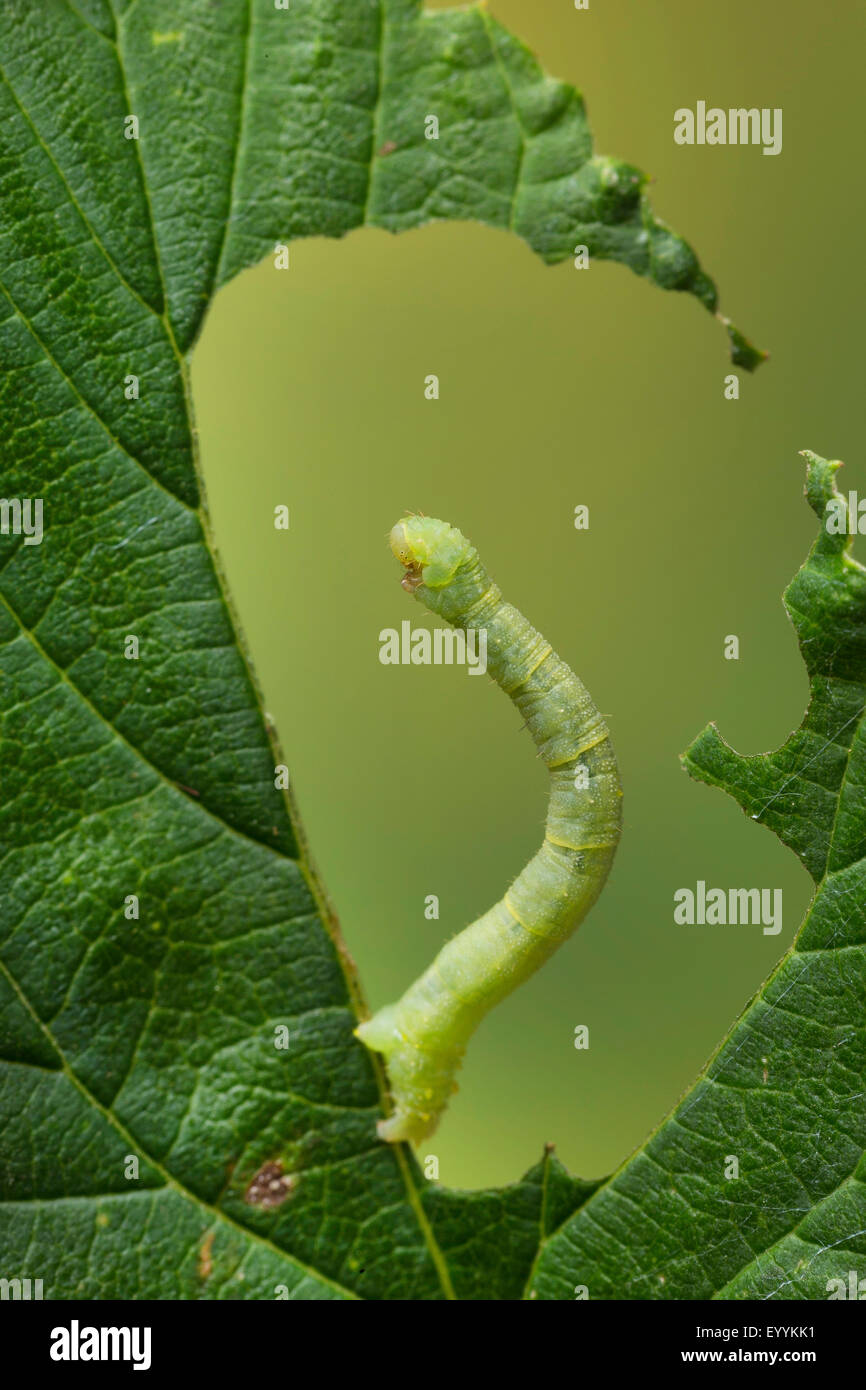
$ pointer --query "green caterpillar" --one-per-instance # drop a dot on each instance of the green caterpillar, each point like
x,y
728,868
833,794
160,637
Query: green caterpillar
x,y
423,1036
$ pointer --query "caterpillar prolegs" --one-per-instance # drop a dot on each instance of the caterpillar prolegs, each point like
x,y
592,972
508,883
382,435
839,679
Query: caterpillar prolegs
x,y
423,1036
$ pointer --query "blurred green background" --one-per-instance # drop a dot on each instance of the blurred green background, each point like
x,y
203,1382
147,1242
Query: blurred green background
x,y
557,388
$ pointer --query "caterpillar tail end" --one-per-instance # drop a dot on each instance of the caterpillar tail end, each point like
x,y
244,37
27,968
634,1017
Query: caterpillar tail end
x,y
407,1124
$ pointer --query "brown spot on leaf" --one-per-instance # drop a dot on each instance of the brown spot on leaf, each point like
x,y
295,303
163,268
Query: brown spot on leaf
x,y
205,1263
270,1187
388,148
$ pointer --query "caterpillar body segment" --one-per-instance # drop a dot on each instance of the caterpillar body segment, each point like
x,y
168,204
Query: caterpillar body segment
x,y
423,1035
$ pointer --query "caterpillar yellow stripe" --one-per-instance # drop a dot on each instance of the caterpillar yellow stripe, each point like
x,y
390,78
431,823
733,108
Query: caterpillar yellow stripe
x,y
423,1036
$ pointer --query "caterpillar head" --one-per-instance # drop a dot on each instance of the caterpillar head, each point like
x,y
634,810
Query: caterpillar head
x,y
430,551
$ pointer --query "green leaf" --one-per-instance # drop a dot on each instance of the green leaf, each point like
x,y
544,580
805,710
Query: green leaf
x,y
784,1093
154,1141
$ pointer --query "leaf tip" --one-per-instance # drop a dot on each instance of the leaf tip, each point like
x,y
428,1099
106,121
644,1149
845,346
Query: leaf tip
x,y
743,353
820,481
